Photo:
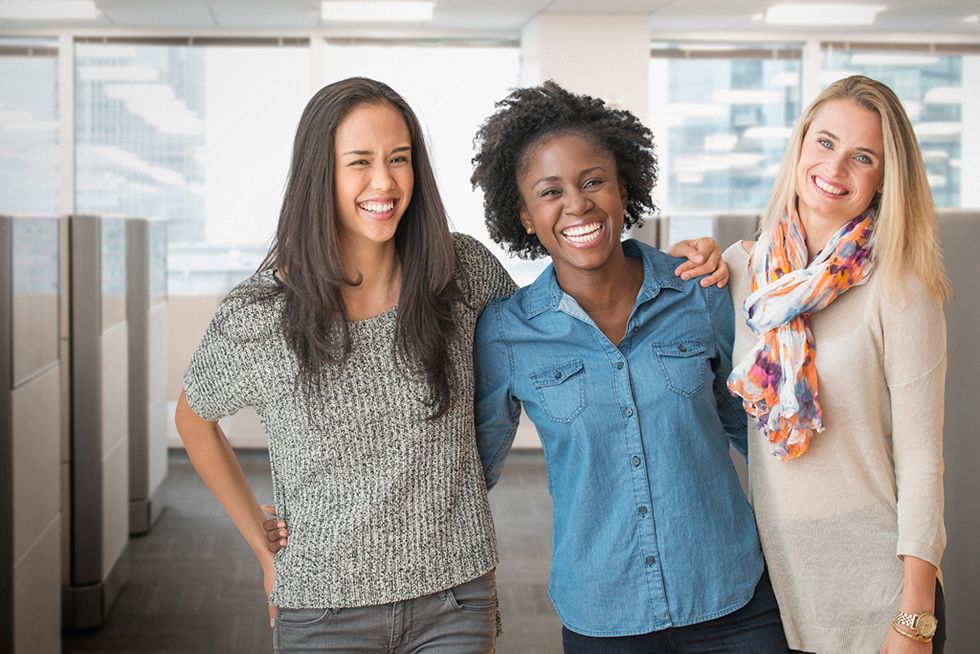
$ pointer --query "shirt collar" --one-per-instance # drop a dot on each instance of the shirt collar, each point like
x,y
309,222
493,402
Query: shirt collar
x,y
545,294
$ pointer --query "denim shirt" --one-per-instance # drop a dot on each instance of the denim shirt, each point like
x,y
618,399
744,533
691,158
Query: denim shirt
x,y
651,527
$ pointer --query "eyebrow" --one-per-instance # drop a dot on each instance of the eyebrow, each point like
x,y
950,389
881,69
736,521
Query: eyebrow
x,y
859,149
555,178
401,148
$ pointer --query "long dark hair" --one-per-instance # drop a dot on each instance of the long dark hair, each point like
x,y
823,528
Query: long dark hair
x,y
307,249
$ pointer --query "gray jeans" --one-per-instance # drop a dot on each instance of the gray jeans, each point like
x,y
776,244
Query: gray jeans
x,y
459,620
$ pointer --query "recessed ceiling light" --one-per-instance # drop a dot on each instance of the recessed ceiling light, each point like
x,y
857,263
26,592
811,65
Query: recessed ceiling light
x,y
974,18
48,9
377,11
823,14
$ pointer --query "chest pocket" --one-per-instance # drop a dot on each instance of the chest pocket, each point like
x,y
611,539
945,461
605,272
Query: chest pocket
x,y
684,365
561,390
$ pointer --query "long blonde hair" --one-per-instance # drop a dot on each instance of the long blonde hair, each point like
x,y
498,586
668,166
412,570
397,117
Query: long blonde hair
x,y
906,235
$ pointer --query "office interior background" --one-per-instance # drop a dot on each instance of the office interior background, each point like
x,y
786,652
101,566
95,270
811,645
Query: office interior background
x,y
144,147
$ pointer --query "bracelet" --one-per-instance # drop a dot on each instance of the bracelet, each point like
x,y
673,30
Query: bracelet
x,y
917,638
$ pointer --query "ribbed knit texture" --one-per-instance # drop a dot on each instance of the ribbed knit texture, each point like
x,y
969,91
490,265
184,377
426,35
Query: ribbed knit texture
x,y
834,522
382,504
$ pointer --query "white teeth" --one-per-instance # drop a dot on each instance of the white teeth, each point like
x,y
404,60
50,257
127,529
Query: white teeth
x,y
827,187
377,207
581,230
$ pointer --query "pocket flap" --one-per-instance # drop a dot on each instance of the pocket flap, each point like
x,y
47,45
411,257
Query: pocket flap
x,y
687,348
554,375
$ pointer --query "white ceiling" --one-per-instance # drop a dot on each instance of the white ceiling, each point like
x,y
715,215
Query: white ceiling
x,y
508,16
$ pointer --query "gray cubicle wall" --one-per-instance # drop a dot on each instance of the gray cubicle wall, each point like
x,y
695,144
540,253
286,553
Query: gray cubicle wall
x,y
98,453
146,315
960,231
30,617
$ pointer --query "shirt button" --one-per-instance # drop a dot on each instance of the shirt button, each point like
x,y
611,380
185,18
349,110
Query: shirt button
x,y
649,560
682,347
637,461
557,375
620,365
642,510
628,411
635,329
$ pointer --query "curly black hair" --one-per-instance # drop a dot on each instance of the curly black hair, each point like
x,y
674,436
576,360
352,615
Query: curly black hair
x,y
522,120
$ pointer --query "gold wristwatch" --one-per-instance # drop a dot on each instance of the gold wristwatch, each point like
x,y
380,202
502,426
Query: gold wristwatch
x,y
922,625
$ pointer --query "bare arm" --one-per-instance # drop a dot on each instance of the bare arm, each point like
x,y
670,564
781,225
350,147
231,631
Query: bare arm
x,y
216,463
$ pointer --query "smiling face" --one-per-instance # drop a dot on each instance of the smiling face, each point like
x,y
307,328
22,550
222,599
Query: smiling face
x,y
841,163
573,199
373,178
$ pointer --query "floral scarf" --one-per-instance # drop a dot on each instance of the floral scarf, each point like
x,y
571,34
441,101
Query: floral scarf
x,y
777,380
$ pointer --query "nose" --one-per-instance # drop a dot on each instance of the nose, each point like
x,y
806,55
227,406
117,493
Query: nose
x,y
381,179
836,163
577,202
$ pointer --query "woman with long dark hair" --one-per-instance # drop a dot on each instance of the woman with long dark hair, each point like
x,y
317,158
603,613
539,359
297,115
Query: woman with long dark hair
x,y
354,344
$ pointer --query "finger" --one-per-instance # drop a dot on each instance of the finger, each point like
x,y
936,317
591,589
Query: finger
x,y
684,267
687,250
272,616
719,278
269,510
706,245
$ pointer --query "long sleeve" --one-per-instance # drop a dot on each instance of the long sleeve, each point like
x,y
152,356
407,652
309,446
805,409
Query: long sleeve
x,y
730,410
497,412
914,336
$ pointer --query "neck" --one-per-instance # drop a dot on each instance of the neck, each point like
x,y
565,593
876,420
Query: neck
x,y
377,267
597,291
819,229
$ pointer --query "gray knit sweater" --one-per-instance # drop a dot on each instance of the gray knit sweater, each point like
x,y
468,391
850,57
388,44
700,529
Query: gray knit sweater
x,y
382,504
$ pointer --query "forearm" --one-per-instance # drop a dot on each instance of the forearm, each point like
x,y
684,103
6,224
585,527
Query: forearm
x,y
919,586
216,463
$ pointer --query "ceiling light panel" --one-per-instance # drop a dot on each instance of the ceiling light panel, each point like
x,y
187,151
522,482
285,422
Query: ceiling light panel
x,y
823,14
376,11
48,9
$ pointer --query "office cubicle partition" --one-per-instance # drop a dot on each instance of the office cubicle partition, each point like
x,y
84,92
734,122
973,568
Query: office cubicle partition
x,y
960,232
146,315
98,493
30,617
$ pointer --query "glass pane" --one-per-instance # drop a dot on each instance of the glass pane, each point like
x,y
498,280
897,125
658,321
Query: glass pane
x,y
35,296
721,122
199,137
941,94
452,90
29,127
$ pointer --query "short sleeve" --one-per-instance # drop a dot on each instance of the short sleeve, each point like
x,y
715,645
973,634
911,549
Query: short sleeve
x,y
486,277
221,376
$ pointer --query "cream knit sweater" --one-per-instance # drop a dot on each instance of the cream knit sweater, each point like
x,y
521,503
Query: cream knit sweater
x,y
835,522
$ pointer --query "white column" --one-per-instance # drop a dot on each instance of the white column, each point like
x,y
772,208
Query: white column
x,y
604,55
66,119
970,136
810,72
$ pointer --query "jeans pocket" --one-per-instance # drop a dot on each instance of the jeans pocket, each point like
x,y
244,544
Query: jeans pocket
x,y
684,365
561,389
304,617
476,595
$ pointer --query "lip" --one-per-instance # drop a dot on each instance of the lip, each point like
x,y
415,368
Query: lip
x,y
382,216
593,240
827,194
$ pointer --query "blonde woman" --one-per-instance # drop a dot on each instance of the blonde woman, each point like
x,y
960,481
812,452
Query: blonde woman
x,y
841,355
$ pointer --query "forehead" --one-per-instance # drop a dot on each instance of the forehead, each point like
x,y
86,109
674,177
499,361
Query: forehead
x,y
372,124
569,149
850,122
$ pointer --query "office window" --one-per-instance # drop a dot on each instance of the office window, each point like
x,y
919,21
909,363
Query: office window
x,y
29,167
721,117
941,94
198,136
452,89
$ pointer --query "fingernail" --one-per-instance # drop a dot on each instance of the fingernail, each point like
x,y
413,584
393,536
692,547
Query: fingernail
x,y
282,541
282,532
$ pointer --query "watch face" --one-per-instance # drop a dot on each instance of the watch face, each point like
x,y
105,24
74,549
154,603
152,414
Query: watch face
x,y
926,625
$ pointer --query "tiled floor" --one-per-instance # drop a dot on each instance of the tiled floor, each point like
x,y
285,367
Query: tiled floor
x,y
194,585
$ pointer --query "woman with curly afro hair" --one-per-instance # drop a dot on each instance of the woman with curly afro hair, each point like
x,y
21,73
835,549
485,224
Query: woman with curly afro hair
x,y
622,367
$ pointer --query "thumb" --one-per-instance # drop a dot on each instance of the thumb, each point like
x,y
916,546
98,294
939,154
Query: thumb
x,y
272,616
269,510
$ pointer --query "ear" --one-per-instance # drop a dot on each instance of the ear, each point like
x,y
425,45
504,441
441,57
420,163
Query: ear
x,y
623,192
525,218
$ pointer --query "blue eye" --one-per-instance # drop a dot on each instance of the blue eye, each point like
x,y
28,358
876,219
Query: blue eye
x,y
863,158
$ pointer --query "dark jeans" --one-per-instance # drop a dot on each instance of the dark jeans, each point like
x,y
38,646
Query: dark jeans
x,y
939,640
753,629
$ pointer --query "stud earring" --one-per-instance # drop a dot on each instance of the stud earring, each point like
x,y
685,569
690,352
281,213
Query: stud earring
x,y
530,230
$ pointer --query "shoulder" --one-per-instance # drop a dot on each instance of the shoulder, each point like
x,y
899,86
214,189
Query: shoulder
x,y
470,251
737,259
251,309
